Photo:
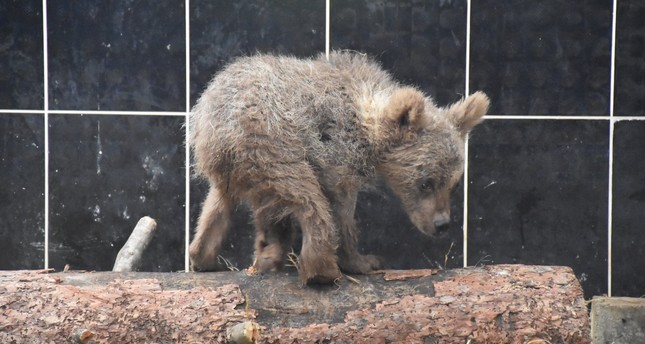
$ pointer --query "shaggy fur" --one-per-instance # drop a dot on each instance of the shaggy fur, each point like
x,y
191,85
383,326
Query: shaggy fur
x,y
296,139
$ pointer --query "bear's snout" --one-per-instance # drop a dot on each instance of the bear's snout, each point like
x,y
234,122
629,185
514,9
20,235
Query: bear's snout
x,y
442,223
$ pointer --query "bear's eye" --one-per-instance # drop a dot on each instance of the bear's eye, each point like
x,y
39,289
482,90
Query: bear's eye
x,y
427,185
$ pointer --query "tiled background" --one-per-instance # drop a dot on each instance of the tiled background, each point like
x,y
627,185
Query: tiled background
x,y
109,97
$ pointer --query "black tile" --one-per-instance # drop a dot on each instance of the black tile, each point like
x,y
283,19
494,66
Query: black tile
x,y
538,195
21,54
238,247
22,201
106,172
421,42
628,218
117,55
222,30
219,32
542,57
387,232
630,64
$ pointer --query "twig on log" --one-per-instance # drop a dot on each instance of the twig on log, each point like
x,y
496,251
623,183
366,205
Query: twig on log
x,y
130,254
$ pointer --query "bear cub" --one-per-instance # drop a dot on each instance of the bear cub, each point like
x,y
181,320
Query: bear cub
x,y
296,139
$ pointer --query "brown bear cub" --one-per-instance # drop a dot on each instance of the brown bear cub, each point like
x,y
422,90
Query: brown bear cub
x,y
296,139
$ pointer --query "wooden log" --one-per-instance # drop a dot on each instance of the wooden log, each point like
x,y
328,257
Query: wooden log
x,y
491,304
129,257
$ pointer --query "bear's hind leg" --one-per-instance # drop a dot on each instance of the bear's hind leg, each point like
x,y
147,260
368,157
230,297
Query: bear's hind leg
x,y
295,192
214,222
273,239
290,189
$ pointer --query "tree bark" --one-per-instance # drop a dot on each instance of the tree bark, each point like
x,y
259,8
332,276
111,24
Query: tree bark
x,y
491,304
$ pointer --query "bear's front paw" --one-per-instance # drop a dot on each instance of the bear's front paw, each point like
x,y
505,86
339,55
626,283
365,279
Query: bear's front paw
x,y
360,264
327,276
209,263
203,266
318,270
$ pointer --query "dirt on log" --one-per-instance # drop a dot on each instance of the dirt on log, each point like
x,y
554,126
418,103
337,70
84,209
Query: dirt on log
x,y
491,304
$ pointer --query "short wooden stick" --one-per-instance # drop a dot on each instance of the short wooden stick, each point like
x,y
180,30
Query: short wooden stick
x,y
130,254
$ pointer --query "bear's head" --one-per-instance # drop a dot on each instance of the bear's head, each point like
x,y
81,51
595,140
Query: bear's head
x,y
423,152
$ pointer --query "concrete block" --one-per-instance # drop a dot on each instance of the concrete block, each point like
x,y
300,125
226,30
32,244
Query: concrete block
x,y
617,320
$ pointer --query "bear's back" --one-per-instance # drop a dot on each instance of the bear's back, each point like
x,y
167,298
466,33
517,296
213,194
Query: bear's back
x,y
300,108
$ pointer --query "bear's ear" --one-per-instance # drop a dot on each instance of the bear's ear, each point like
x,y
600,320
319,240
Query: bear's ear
x,y
406,107
468,112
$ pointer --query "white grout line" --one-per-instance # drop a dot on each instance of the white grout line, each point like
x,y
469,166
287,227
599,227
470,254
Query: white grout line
x,y
187,146
327,27
21,111
118,113
183,113
548,117
610,201
467,71
612,75
466,91
627,118
610,186
92,112
46,130
465,219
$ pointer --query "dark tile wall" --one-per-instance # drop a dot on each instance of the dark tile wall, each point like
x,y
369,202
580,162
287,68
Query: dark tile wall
x,y
538,195
222,30
630,50
21,54
22,185
387,232
629,202
538,189
542,57
106,172
117,55
422,42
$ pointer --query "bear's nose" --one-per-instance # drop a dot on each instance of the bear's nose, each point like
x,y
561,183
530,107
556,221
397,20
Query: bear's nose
x,y
443,228
441,222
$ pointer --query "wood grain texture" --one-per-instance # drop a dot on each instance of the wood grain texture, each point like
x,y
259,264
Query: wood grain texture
x,y
492,304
